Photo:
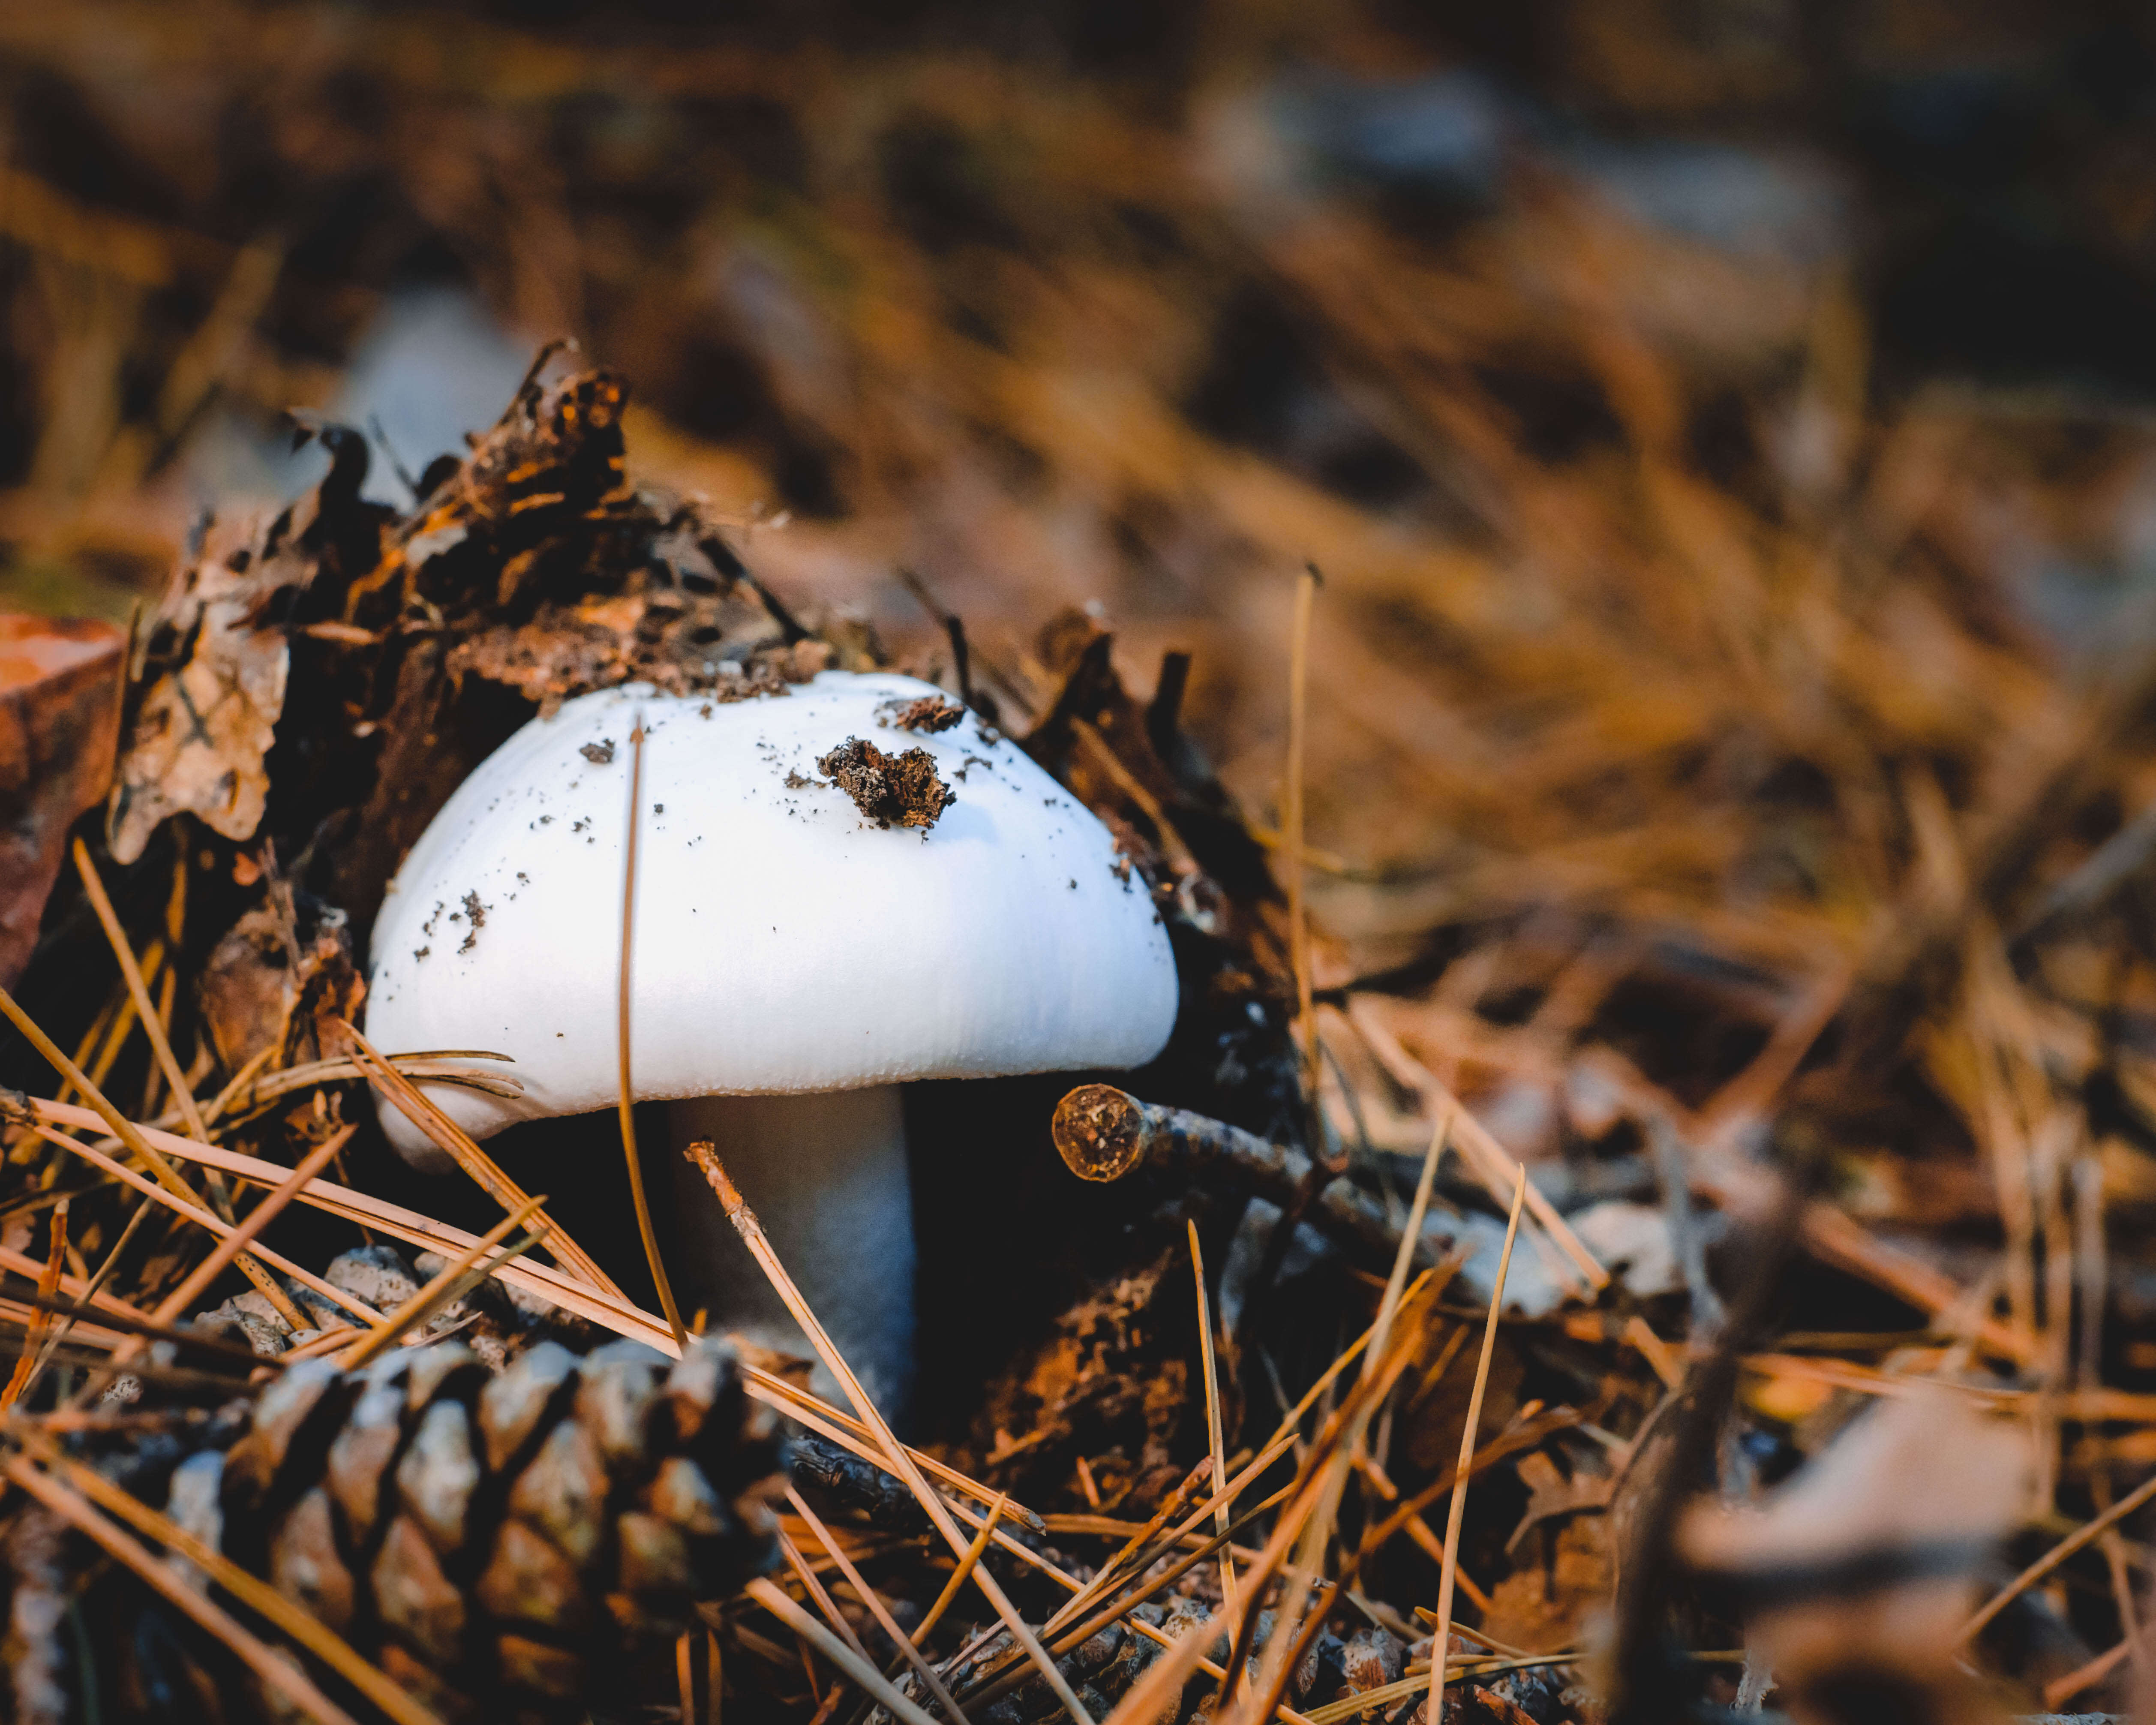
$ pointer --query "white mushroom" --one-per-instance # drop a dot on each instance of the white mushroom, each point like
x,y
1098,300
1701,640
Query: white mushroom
x,y
795,961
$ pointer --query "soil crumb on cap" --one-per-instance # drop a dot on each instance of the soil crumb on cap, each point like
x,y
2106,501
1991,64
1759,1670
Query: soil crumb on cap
x,y
598,753
887,788
928,712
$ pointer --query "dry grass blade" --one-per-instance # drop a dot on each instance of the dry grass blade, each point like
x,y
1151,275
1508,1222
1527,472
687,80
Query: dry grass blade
x,y
455,1279
626,1105
48,1281
877,1609
773,1600
137,1143
279,1673
1213,1437
257,1594
901,1459
475,1162
1449,1575
194,1213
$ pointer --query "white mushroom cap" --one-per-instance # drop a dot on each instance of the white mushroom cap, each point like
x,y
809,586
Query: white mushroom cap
x,y
784,942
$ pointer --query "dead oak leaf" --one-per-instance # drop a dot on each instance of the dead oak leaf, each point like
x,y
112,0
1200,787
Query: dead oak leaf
x,y
205,723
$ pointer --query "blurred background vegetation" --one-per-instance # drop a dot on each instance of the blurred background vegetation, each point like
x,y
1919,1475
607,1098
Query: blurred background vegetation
x,y
1665,386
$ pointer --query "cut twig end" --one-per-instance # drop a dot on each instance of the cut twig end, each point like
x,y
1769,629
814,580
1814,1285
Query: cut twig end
x,y
1099,1131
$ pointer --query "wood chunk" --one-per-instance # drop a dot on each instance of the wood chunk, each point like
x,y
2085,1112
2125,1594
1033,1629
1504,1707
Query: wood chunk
x,y
414,1597
563,1492
304,1564
438,1474
528,1580
59,733
510,1405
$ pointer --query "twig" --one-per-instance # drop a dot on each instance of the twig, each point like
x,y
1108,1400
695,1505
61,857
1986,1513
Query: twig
x,y
628,1100
752,1236
1213,1433
1104,1133
1493,1164
1443,1633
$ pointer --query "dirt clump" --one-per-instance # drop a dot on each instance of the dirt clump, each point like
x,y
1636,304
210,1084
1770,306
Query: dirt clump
x,y
904,788
928,712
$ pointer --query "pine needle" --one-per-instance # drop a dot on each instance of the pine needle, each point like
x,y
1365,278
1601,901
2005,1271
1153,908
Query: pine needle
x,y
1447,1576
627,1101
773,1600
133,1138
1213,1432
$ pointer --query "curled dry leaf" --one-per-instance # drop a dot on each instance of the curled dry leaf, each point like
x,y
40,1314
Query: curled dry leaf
x,y
59,719
283,979
209,713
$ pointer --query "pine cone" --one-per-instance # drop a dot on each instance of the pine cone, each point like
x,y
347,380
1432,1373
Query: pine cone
x,y
492,1541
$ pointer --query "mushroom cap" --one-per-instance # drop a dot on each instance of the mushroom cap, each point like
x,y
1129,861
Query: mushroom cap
x,y
784,941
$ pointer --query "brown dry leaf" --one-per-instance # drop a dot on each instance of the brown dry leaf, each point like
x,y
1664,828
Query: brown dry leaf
x,y
1548,1599
282,981
1864,1566
206,722
60,724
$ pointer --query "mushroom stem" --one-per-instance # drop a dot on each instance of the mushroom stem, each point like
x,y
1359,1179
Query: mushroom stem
x,y
826,1174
